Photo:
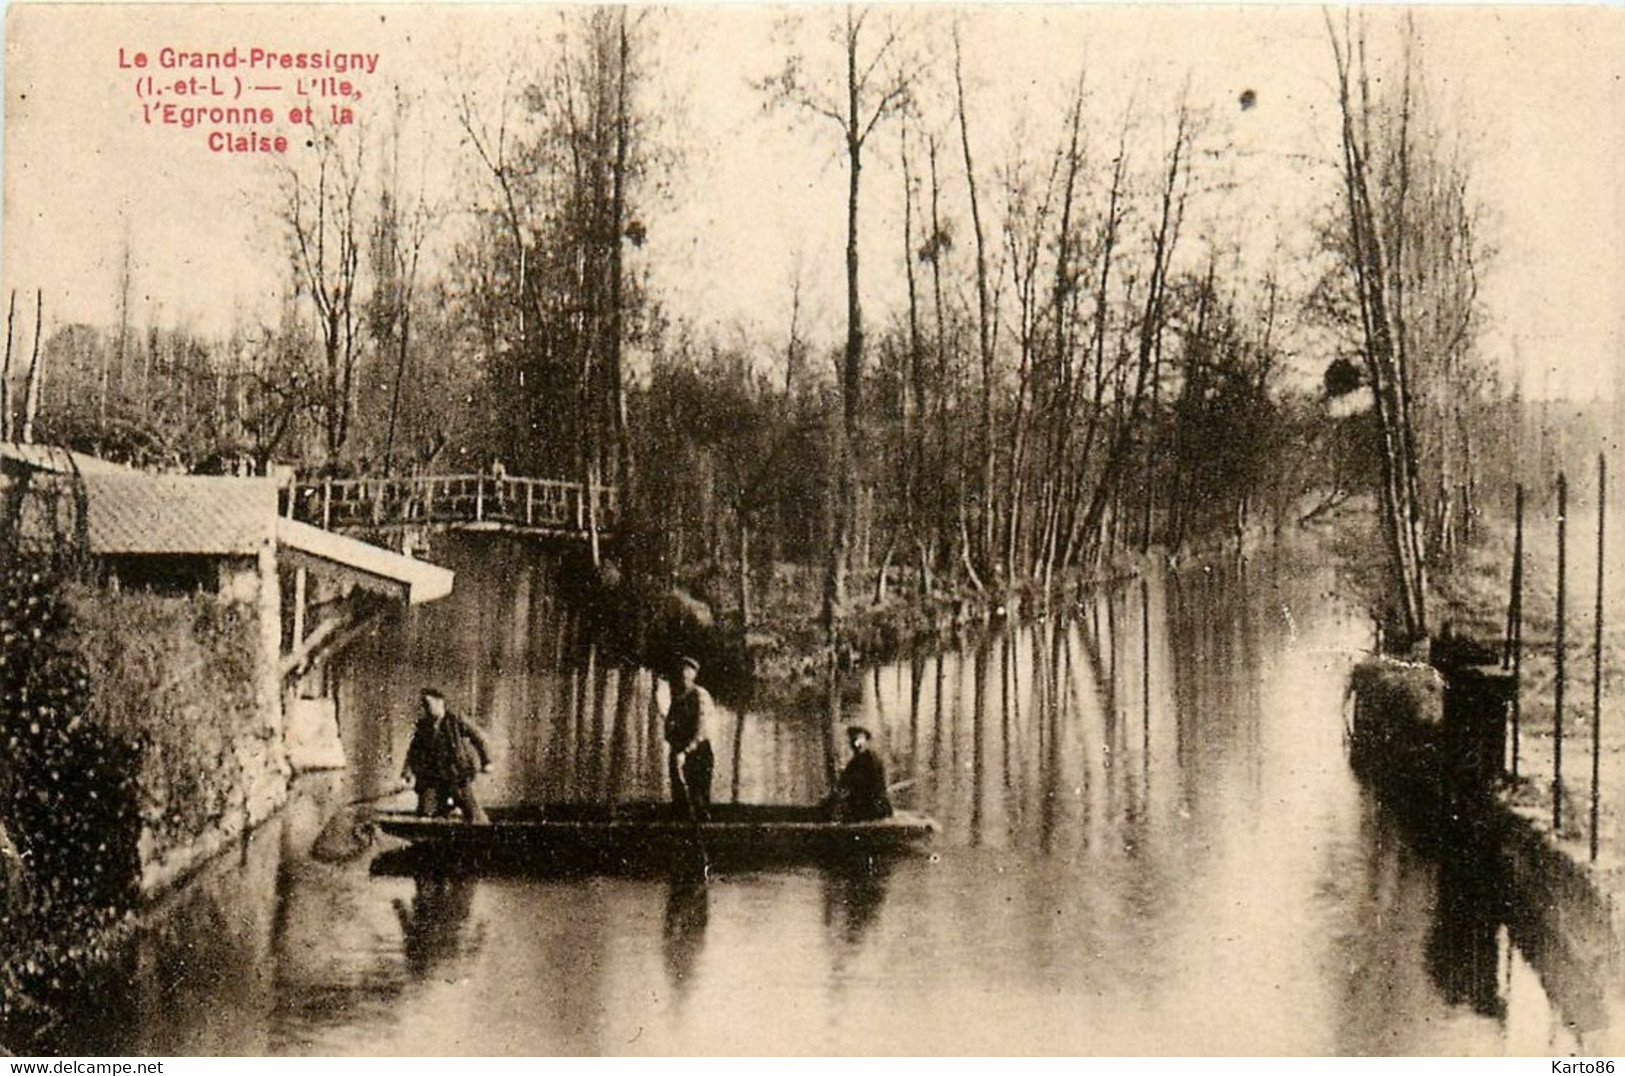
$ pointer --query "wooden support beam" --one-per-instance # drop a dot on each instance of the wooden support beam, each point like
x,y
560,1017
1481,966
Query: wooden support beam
x,y
299,583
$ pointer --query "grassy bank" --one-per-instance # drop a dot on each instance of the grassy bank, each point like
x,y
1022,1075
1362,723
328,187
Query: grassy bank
x,y
133,732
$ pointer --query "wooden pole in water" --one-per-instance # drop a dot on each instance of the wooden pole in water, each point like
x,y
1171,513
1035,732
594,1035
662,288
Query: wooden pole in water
x,y
1513,655
1557,715
1596,657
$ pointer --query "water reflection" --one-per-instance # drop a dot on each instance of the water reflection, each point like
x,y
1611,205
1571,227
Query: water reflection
x,y
853,894
1151,843
688,913
1464,944
434,922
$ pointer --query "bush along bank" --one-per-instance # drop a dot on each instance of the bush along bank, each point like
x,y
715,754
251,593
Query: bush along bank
x,y
781,657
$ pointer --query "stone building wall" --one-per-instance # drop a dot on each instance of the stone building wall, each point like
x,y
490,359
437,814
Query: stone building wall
x,y
194,681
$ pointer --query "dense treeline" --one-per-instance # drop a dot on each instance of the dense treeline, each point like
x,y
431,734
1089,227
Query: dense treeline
x,y
1077,354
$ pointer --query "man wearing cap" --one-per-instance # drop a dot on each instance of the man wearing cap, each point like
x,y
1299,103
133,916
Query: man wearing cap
x,y
444,756
860,793
689,761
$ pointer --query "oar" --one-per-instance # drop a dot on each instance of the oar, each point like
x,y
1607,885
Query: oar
x,y
346,836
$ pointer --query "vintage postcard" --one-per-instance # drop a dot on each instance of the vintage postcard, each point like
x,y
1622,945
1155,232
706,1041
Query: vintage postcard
x,y
743,530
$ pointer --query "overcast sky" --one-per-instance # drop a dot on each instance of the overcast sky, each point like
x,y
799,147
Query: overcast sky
x,y
759,193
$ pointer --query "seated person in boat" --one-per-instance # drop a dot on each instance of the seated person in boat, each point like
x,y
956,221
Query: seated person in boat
x,y
445,755
860,793
689,761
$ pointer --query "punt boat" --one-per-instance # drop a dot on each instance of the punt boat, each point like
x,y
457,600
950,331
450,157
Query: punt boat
x,y
640,837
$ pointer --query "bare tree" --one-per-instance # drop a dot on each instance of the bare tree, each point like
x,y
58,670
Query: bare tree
x,y
915,406
279,390
1409,252
877,85
985,321
5,371
123,340
398,234
1164,239
36,372
1065,292
1026,235
1107,241
325,229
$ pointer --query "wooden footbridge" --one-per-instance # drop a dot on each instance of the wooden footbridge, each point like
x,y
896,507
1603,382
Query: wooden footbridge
x,y
543,507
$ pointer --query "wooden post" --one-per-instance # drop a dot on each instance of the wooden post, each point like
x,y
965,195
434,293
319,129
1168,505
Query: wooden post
x,y
327,504
1557,715
479,498
1596,657
530,503
1513,655
298,610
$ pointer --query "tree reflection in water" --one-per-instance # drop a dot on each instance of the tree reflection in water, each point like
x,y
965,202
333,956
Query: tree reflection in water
x,y
433,922
1463,949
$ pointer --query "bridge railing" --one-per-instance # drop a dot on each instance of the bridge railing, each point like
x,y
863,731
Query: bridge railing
x,y
542,504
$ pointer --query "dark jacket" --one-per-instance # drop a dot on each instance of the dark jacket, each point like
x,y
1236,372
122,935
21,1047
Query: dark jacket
x,y
860,794
449,750
685,720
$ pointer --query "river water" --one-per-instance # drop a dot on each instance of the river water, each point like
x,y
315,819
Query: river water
x,y
1151,844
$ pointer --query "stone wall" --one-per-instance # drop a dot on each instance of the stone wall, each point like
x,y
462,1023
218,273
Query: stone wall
x,y
1561,911
193,682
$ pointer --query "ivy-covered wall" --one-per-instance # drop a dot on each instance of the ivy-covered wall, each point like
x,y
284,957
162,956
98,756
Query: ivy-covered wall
x,y
69,860
140,734
184,679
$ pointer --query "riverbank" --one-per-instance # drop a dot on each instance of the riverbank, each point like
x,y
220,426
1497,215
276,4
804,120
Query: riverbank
x,y
1472,598
1475,595
780,657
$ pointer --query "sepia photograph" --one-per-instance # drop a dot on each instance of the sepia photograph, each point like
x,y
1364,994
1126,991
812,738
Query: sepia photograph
x,y
797,530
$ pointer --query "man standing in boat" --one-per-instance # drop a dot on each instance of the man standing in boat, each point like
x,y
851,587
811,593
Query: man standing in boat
x,y
689,761
860,794
444,757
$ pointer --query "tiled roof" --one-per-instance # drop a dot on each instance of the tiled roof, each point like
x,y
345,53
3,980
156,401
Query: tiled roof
x,y
207,515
